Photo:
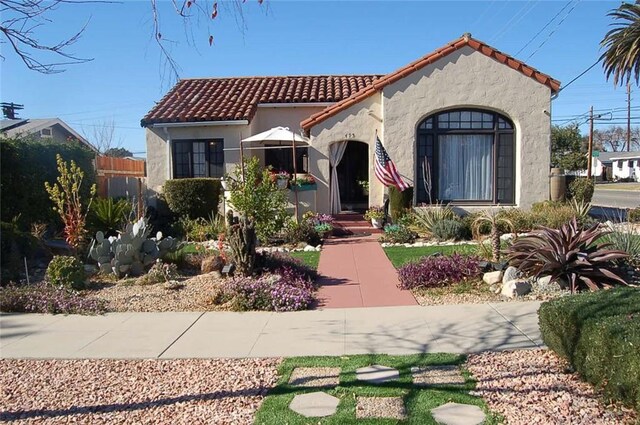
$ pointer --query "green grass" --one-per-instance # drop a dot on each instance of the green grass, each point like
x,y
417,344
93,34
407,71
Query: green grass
x,y
400,255
310,258
418,400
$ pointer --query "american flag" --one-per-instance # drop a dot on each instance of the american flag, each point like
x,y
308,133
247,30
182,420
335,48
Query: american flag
x,y
385,169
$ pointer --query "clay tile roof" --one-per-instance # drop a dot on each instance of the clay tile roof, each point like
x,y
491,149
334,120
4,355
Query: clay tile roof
x,y
222,99
465,40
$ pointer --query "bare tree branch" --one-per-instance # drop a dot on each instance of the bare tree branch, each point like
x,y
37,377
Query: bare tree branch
x,y
21,22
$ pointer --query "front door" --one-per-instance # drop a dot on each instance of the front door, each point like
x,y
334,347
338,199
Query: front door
x,y
353,177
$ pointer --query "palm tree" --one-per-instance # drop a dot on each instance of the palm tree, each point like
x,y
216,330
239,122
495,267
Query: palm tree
x,y
622,44
493,218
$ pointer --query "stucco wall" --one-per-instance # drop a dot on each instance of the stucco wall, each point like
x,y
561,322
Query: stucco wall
x,y
358,123
467,78
159,167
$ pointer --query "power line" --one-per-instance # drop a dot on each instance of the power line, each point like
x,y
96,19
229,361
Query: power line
x,y
543,28
581,74
515,19
554,30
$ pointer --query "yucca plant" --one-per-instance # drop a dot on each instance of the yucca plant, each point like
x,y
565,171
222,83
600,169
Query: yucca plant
x,y
581,208
108,215
493,218
570,255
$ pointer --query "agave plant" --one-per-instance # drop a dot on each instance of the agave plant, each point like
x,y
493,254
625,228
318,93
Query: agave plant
x,y
426,217
570,255
493,218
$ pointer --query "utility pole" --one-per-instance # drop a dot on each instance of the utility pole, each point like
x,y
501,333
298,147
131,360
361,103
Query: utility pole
x,y
628,116
590,146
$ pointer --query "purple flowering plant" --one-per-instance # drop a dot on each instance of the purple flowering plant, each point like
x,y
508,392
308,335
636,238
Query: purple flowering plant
x,y
432,272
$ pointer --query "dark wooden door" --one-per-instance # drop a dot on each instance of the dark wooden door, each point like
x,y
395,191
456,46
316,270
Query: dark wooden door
x,y
354,168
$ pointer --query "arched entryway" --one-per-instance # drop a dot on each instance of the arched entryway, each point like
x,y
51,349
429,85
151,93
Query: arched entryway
x,y
352,175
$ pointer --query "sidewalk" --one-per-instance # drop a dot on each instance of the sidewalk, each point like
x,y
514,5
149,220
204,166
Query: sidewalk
x,y
355,272
390,330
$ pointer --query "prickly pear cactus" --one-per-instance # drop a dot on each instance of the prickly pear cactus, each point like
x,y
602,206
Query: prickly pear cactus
x,y
132,252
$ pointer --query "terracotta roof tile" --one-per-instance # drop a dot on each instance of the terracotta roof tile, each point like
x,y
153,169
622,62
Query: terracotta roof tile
x,y
221,99
465,40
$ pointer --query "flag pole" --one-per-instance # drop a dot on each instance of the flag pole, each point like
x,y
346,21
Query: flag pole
x,y
295,172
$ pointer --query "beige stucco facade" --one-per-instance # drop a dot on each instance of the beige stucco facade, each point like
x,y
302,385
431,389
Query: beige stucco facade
x,y
159,137
465,78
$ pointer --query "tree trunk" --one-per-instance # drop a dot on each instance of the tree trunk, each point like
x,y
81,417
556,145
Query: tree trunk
x,y
495,243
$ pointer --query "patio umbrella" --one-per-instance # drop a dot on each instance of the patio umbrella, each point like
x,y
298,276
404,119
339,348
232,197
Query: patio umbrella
x,y
278,134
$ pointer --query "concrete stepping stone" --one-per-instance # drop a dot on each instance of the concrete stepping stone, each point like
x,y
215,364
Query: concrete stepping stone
x,y
377,374
314,405
458,414
317,377
380,407
437,375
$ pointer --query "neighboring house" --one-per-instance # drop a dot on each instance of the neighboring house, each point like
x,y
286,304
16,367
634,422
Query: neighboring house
x,y
610,166
46,129
478,118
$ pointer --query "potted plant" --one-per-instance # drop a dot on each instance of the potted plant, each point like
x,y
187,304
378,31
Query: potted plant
x,y
304,182
282,179
375,215
364,186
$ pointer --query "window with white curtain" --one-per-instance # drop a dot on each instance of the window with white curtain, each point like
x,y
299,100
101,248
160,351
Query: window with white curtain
x,y
465,156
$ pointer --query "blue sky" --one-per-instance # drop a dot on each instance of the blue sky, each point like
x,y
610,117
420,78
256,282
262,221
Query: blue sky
x,y
126,76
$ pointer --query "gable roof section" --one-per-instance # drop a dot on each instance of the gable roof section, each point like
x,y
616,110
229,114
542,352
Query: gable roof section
x,y
31,126
465,40
224,99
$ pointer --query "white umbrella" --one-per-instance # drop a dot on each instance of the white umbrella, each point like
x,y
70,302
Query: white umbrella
x,y
278,134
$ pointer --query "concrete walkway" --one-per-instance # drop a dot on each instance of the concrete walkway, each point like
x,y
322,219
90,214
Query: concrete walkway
x,y
390,330
355,272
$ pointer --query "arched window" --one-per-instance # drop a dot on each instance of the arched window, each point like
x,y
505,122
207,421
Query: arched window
x,y
467,156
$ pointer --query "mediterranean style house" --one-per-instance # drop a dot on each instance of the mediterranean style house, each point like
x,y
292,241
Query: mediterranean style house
x,y
465,124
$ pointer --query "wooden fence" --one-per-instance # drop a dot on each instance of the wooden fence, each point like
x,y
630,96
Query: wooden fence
x,y
121,177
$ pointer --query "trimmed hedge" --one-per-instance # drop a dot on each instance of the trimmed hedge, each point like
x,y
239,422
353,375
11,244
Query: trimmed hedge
x,y
25,165
193,198
599,334
399,202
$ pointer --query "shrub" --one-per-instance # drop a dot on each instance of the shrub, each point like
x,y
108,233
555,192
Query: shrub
x,y
569,255
304,231
109,215
552,214
599,334
258,199
426,217
67,200
633,215
43,298
66,271
192,198
395,233
581,189
399,202
25,165
14,246
159,273
201,229
445,230
438,271
521,221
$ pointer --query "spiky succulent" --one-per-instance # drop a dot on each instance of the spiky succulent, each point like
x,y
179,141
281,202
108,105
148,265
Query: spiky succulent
x,y
568,254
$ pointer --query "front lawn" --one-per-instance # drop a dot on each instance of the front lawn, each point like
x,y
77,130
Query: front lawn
x,y
310,258
418,400
400,255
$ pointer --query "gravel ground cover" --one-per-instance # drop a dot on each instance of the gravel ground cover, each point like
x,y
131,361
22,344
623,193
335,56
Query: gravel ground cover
x,y
535,387
380,407
221,391
195,294
315,377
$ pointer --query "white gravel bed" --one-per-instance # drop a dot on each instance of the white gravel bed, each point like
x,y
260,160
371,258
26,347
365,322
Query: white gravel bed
x,y
532,387
195,294
193,391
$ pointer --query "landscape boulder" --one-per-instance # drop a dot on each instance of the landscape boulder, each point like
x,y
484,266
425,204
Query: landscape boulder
x,y
516,288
